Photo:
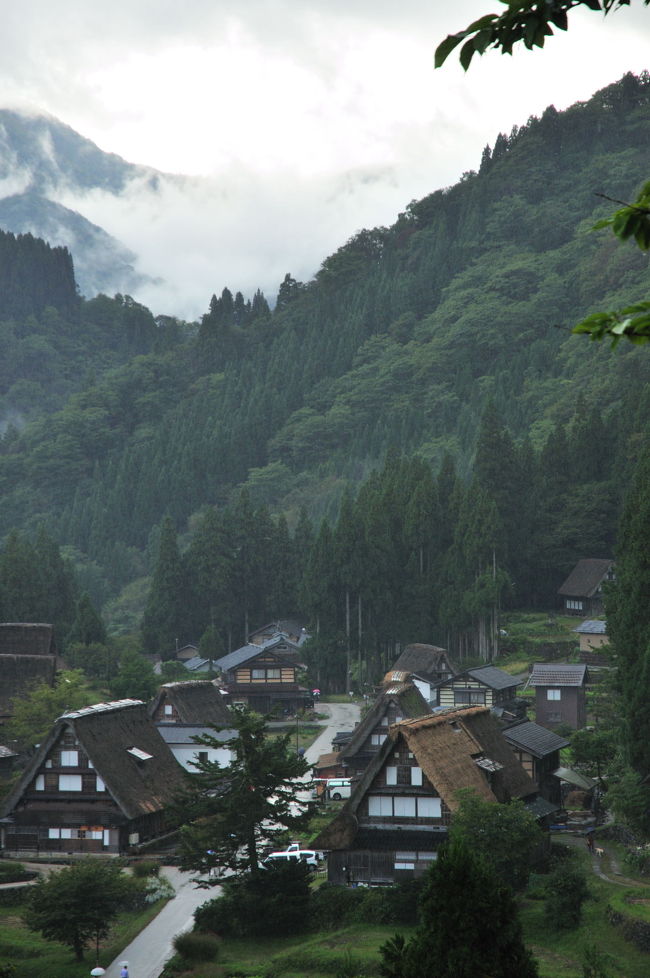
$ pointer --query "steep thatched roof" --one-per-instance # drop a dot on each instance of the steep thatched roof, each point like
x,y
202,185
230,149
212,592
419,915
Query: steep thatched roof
x,y
586,577
452,746
409,701
196,701
136,765
18,672
424,660
455,748
26,638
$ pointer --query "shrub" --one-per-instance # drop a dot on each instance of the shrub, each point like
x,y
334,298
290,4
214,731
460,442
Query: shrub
x,y
11,872
566,891
271,903
330,906
195,946
146,867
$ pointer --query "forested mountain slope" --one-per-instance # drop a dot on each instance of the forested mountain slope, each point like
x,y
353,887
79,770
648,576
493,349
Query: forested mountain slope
x,y
401,339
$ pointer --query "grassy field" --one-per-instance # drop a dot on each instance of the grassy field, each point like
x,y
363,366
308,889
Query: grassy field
x,y
34,957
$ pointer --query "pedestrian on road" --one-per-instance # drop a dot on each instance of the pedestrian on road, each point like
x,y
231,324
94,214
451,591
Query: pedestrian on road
x,y
590,842
124,973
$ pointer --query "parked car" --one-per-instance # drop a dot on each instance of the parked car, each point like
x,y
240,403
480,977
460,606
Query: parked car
x,y
293,853
338,788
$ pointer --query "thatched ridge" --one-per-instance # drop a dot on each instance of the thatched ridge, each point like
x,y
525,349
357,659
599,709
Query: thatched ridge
x,y
198,701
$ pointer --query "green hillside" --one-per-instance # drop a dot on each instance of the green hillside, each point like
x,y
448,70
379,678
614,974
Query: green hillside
x,y
402,338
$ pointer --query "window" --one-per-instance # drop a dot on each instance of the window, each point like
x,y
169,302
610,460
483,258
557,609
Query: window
x,y
169,709
575,605
377,739
380,805
429,808
553,694
416,775
273,674
202,755
404,807
391,775
69,782
475,697
54,833
405,860
258,673
99,784
39,784
69,758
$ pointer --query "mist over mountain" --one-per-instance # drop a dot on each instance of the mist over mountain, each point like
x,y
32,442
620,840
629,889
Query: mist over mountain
x,y
403,338
101,263
41,159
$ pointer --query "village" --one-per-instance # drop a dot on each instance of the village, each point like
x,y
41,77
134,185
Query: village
x,y
105,780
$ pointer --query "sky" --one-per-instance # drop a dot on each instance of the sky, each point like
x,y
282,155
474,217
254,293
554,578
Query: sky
x,y
298,122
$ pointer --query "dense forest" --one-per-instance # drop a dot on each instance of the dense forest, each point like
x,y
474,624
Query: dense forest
x,y
395,449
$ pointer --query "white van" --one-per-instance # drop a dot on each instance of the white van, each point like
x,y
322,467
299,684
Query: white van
x,y
338,788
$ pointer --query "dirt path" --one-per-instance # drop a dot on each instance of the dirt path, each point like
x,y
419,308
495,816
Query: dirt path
x,y
607,866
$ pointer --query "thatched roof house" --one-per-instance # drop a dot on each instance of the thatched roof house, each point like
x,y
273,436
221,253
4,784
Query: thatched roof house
x,y
400,809
198,701
395,702
582,591
27,657
183,711
428,661
100,781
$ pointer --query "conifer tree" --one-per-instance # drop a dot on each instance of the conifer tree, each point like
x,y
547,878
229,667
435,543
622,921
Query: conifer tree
x,y
469,925
164,621
628,614
88,627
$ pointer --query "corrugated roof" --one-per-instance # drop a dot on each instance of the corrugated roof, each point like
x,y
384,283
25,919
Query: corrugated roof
x,y
541,807
585,578
533,738
492,676
558,674
575,778
592,627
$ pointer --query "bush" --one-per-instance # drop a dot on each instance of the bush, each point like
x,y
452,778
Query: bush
x,y
195,946
274,902
11,872
566,891
332,906
146,867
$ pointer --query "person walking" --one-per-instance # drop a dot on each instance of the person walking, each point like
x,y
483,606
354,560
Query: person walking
x,y
124,973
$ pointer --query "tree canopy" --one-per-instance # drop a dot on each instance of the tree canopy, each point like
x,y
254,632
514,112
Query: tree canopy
x,y
530,22
78,903
233,811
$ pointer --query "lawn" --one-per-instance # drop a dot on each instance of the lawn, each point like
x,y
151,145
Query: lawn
x,y
34,957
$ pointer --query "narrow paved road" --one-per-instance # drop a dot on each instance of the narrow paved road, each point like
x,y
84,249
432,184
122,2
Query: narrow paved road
x,y
147,954
150,950
342,716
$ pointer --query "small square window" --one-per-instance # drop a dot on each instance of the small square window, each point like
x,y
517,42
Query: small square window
x,y
553,694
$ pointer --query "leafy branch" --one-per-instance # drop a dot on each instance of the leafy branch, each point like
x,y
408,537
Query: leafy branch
x,y
530,22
